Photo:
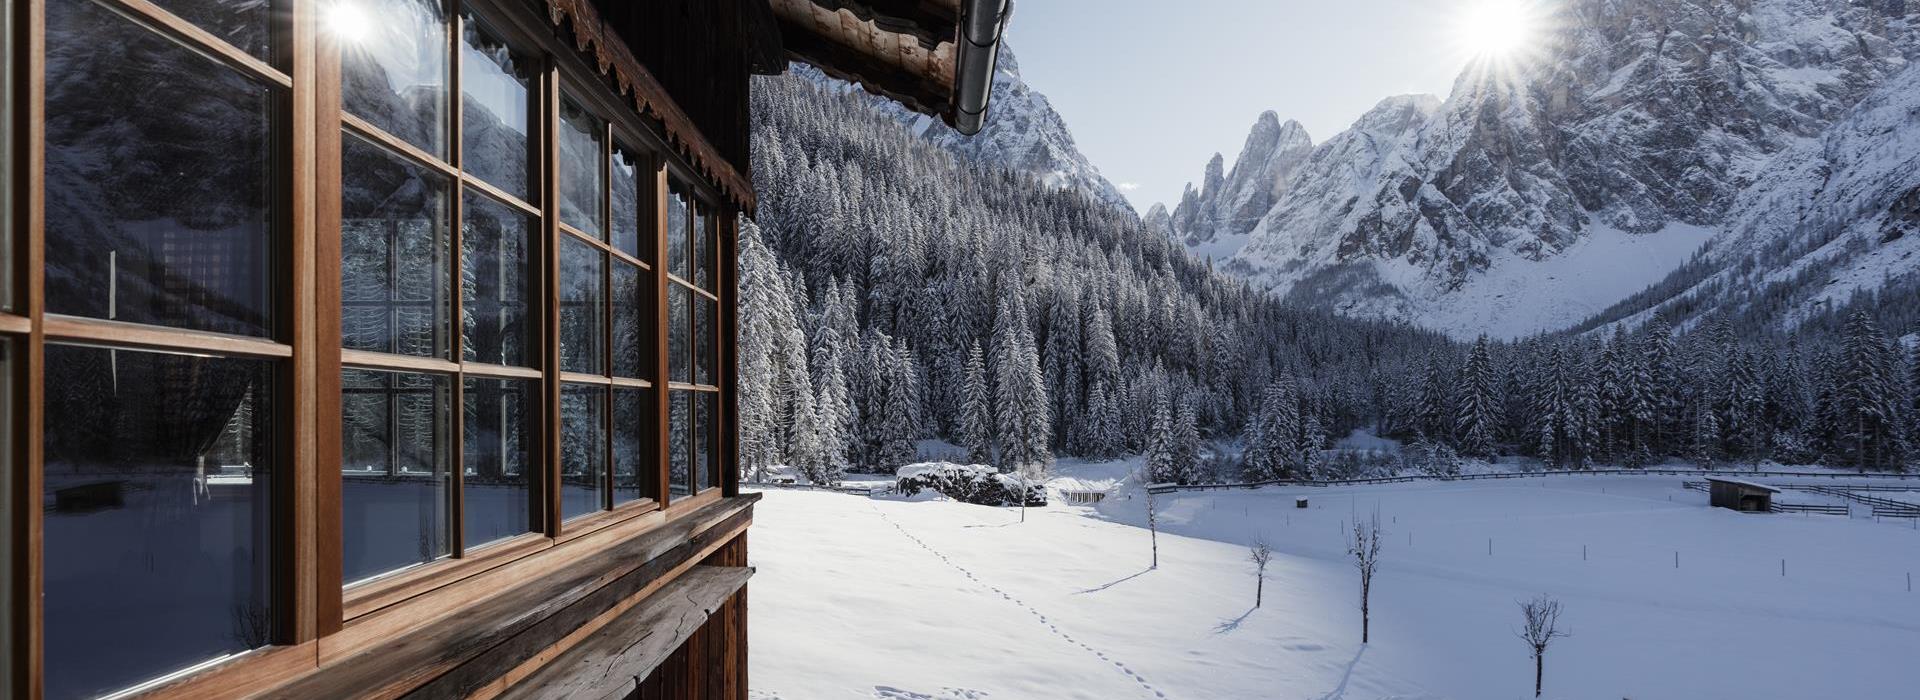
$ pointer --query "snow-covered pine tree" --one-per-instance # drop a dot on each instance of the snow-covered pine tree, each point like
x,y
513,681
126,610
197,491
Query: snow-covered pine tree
x,y
1433,413
1479,405
1743,409
1273,438
1021,405
1186,444
1870,423
1159,455
767,338
976,415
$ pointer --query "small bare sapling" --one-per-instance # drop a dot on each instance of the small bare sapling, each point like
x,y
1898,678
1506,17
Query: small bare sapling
x,y
1261,554
1543,626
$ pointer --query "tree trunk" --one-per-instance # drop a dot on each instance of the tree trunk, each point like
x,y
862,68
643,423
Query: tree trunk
x,y
1259,589
1539,665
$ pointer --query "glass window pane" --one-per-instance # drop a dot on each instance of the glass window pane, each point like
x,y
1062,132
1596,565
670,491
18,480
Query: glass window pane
x,y
702,248
625,168
393,249
499,457
394,67
633,467
158,201
630,336
583,448
243,23
158,513
583,189
679,441
703,336
495,274
394,473
679,323
677,215
706,454
583,294
495,85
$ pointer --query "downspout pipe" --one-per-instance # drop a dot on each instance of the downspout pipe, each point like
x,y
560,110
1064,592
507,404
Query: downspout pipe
x,y
980,30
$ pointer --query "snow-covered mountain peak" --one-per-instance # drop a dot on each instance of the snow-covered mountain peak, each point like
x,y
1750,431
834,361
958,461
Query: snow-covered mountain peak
x,y
1639,116
1215,220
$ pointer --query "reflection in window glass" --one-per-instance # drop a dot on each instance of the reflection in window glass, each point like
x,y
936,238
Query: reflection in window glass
x,y
633,466
625,168
706,460
702,248
495,83
394,67
679,441
630,337
393,246
494,491
583,293
679,323
583,448
394,473
158,513
582,187
703,336
155,213
677,215
494,277
243,23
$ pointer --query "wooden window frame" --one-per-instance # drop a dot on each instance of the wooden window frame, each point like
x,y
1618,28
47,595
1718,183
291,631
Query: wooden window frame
x,y
303,71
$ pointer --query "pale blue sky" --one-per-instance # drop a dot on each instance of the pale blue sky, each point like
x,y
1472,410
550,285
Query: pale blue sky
x,y
1152,89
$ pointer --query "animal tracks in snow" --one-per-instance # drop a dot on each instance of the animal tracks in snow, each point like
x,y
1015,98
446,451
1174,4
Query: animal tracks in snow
x,y
1039,616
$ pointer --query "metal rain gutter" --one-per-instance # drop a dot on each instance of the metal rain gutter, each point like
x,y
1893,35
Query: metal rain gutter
x,y
981,27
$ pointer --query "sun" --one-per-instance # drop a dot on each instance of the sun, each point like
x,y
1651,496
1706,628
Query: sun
x,y
1498,29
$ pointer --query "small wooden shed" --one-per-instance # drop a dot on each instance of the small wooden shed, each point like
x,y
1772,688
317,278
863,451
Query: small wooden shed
x,y
1743,496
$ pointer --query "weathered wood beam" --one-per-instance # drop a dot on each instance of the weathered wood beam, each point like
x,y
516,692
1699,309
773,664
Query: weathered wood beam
x,y
612,662
877,74
930,21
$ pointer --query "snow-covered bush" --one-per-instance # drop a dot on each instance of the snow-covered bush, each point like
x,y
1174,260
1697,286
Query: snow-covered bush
x,y
969,483
1431,458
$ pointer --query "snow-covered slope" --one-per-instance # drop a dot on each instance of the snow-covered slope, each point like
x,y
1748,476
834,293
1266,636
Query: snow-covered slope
x,y
1022,132
932,600
1830,217
1646,117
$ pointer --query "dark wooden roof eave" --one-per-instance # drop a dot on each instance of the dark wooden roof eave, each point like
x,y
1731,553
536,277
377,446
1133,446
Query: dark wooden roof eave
x,y
911,90
612,57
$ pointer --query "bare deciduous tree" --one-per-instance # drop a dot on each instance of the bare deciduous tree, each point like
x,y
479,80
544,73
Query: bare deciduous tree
x,y
1261,554
1365,550
1543,626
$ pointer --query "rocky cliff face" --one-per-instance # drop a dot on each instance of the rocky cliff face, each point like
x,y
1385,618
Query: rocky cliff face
x,y
1216,218
1639,117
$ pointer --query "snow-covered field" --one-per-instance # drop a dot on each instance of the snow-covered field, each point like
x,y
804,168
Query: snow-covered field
x,y
859,598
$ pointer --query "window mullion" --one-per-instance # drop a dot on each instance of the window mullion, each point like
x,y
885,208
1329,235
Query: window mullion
x,y
456,322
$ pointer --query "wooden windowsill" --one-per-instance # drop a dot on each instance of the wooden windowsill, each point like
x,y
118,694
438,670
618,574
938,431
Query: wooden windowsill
x,y
588,524
381,592
467,634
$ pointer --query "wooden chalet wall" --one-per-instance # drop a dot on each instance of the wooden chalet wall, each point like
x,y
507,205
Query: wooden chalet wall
x,y
697,50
